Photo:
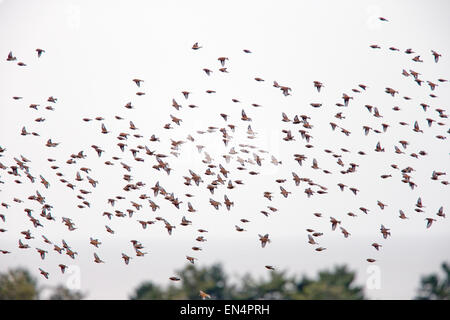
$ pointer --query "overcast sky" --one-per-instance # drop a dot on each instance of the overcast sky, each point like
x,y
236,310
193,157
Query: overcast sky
x,y
93,50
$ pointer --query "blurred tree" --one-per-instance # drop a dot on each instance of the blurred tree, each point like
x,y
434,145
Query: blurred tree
x,y
18,284
212,280
432,287
335,284
148,291
249,288
330,285
278,286
174,292
62,293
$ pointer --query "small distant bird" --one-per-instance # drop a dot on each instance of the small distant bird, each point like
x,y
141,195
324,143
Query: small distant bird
x,y
222,60
138,82
44,273
436,56
10,57
440,212
318,85
104,130
40,52
385,232
204,295
97,259
376,246
196,46
126,258
191,259
334,223
429,222
311,240
264,239
185,94
63,267
41,253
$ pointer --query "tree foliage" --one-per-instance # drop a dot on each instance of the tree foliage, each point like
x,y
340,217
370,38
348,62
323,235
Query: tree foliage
x,y
18,284
330,285
148,291
433,287
335,284
61,292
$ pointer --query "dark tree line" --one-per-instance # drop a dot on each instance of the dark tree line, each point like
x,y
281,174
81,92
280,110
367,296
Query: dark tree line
x,y
329,284
337,283
19,284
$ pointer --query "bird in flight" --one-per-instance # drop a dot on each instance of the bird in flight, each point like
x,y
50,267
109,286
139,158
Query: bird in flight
x,y
196,46
11,57
204,295
264,240
40,52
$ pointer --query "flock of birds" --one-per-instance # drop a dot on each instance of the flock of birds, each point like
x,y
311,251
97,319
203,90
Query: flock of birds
x,y
218,174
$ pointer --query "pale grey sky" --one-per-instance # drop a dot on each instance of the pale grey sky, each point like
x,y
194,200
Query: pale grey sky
x,y
95,49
